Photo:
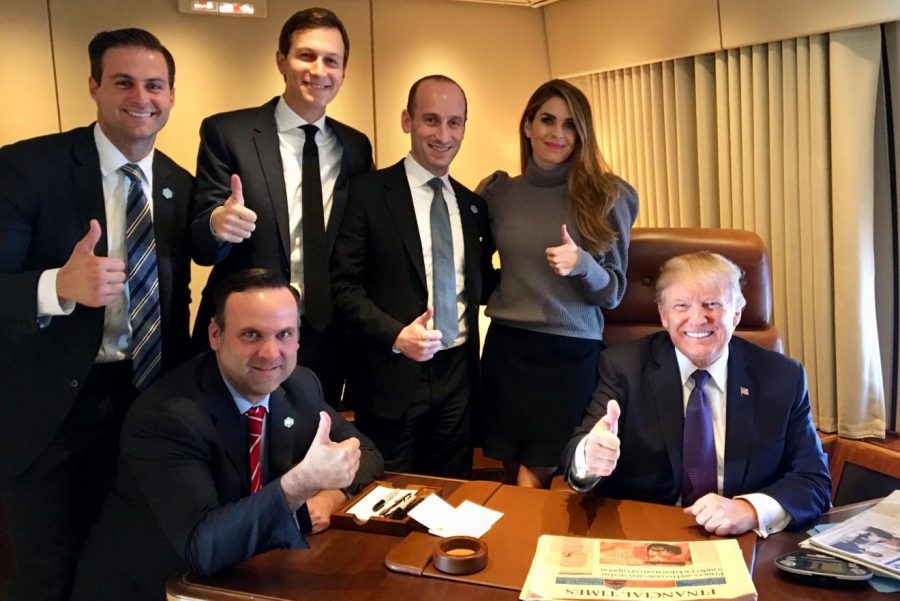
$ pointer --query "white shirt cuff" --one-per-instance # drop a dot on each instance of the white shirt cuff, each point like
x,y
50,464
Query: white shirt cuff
x,y
772,516
48,304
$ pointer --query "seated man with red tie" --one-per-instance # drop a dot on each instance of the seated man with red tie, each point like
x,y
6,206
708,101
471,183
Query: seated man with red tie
x,y
232,454
695,417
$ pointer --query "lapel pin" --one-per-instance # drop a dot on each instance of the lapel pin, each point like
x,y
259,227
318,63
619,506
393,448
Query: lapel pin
x,y
474,209
289,422
167,193
745,391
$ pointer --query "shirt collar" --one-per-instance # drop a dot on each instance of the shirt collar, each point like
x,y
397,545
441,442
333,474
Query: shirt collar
x,y
717,371
419,176
243,404
287,120
111,158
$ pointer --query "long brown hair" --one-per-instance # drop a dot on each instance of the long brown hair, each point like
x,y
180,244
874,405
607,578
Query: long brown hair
x,y
592,187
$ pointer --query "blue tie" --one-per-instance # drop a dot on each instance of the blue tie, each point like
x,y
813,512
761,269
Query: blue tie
x,y
699,446
143,282
443,271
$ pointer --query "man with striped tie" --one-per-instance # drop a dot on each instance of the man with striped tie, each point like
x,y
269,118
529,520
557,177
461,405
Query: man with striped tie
x,y
232,454
94,274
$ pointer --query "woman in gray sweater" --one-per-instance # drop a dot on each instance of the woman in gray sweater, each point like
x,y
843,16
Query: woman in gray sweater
x,y
562,231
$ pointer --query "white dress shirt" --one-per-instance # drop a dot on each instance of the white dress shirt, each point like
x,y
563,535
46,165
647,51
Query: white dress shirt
x,y
116,345
422,195
290,144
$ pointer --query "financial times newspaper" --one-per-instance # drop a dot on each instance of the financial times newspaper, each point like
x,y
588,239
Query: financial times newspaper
x,y
567,567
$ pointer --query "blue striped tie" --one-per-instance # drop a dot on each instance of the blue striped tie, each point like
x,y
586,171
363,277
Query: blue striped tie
x,y
143,282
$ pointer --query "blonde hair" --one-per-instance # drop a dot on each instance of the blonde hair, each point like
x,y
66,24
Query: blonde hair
x,y
703,265
592,187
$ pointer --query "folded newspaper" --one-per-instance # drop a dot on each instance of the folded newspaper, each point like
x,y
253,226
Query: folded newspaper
x,y
870,538
567,567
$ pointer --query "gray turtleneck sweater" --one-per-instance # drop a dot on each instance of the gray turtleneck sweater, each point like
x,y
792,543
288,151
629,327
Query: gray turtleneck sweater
x,y
526,213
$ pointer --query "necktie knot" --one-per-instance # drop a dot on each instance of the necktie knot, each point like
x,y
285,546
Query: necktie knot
x,y
700,377
436,183
257,412
310,144
132,171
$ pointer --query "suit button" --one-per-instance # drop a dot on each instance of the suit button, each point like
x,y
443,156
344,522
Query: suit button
x,y
74,383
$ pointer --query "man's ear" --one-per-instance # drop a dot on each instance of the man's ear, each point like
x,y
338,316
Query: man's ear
x,y
406,121
215,333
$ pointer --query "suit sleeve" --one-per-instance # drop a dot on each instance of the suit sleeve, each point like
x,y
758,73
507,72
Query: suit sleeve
x,y
170,457
215,166
348,265
804,489
18,283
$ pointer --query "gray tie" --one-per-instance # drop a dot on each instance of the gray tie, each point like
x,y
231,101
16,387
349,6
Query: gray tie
x,y
443,270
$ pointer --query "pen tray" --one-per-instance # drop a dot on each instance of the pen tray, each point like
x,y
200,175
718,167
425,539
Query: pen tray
x,y
376,524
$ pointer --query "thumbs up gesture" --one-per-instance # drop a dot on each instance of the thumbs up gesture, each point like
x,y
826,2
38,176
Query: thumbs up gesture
x,y
88,279
416,341
233,222
562,258
601,449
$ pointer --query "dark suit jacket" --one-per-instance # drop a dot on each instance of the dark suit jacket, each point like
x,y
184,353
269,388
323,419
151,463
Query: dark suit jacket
x,y
181,499
245,142
771,445
379,286
50,189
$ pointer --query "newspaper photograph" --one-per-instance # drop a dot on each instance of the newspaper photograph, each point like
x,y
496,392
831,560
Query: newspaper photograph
x,y
587,568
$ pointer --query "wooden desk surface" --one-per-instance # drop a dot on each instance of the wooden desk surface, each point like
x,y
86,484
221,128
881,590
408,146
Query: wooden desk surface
x,y
350,565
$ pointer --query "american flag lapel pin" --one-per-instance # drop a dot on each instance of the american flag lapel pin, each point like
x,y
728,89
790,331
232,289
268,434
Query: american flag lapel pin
x,y
745,391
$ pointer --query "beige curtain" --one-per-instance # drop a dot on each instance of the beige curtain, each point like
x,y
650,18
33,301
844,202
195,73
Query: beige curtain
x,y
776,139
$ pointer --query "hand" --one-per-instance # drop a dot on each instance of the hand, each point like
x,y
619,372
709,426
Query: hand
x,y
327,465
601,450
88,279
416,341
562,258
723,516
321,506
232,221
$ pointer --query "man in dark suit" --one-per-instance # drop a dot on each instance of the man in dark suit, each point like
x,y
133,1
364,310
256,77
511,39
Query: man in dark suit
x,y
264,201
232,454
84,323
409,289
712,422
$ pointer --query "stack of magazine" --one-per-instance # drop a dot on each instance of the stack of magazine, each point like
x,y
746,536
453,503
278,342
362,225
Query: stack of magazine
x,y
871,538
567,567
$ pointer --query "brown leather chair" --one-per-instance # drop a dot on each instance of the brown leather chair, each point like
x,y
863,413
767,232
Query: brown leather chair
x,y
637,315
861,471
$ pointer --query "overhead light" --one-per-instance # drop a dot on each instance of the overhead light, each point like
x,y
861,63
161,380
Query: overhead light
x,y
254,8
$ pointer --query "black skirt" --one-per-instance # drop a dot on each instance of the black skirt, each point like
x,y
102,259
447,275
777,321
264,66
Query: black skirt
x,y
536,389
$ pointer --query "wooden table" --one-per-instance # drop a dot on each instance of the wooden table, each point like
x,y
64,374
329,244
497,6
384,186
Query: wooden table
x,y
350,565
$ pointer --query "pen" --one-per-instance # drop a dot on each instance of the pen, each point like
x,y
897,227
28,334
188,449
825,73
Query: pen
x,y
402,512
394,505
387,499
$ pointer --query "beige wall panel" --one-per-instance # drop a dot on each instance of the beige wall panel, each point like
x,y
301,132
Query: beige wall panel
x,y
26,67
587,36
759,21
496,53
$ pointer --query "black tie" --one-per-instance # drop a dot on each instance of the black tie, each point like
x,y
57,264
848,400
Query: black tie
x,y
316,281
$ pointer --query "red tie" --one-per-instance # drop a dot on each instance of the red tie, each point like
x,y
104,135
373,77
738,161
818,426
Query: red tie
x,y
255,417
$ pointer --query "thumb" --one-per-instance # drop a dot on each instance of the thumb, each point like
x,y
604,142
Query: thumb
x,y
86,245
611,419
566,238
237,189
422,319
324,430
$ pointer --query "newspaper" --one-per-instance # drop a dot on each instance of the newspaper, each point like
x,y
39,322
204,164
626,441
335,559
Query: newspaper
x,y
588,568
870,538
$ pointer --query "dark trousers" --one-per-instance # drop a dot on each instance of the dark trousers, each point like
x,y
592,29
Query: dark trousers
x,y
325,354
52,504
433,437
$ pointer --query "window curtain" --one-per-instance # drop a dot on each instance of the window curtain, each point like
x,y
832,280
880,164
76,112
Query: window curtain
x,y
777,139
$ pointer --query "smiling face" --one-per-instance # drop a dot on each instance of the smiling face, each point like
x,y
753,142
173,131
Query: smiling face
x,y
256,344
700,315
437,124
552,133
133,98
313,70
